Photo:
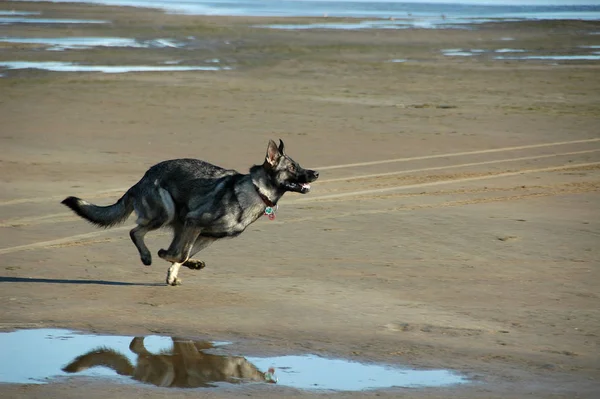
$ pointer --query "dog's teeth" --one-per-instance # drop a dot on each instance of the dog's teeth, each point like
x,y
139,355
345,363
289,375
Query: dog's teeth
x,y
305,185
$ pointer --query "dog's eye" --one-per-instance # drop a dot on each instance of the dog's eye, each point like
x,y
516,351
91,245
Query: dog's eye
x,y
293,168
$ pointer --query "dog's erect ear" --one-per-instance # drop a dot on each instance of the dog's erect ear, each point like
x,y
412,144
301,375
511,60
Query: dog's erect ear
x,y
273,153
281,147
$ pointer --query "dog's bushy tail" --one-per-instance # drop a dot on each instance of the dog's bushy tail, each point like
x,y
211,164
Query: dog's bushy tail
x,y
103,216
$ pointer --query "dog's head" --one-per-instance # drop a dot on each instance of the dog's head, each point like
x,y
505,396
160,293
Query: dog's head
x,y
286,173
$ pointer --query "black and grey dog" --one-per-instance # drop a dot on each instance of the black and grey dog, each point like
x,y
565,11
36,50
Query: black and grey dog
x,y
200,202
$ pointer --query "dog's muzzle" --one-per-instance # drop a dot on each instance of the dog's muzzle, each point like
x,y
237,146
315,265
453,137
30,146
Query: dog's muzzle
x,y
302,186
310,176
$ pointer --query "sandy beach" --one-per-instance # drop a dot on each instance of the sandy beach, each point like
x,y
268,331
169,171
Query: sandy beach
x,y
455,224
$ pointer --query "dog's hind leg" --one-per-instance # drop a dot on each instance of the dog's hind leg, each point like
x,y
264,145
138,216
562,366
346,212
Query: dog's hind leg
x,y
137,236
138,233
199,245
155,210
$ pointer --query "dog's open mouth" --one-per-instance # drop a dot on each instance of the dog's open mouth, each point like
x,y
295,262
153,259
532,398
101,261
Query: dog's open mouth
x,y
304,188
301,188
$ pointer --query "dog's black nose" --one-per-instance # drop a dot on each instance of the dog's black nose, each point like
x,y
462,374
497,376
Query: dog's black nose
x,y
315,174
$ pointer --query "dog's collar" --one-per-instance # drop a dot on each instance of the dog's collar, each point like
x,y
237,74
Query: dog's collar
x,y
265,199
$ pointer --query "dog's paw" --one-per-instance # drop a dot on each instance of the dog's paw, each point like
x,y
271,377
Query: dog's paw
x,y
194,264
174,281
146,259
162,253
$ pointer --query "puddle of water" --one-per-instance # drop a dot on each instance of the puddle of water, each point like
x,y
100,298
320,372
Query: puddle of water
x,y
78,43
18,13
592,57
12,20
71,67
39,356
314,372
424,23
492,9
509,50
44,355
74,42
163,43
457,52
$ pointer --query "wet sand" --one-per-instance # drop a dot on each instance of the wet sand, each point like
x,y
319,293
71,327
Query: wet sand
x,y
455,224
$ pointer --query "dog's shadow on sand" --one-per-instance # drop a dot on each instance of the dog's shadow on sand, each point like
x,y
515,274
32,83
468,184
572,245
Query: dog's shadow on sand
x,y
69,281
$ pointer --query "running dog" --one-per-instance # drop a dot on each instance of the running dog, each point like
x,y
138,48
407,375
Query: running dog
x,y
200,202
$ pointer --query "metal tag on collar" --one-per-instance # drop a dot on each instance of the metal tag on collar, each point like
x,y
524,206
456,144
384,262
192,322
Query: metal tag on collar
x,y
270,211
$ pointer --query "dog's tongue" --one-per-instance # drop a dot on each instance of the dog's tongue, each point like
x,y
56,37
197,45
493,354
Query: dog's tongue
x,y
305,186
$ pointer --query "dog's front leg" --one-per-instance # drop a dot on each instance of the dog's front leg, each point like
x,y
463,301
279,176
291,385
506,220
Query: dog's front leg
x,y
179,250
182,245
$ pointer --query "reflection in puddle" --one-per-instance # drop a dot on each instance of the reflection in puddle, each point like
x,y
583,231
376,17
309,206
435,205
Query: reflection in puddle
x,y
184,365
71,67
78,43
39,356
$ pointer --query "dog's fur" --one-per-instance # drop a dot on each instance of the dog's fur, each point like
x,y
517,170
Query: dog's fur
x,y
200,202
186,365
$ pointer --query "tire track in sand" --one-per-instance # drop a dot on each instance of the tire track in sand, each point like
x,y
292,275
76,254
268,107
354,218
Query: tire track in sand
x,y
116,191
69,216
442,182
